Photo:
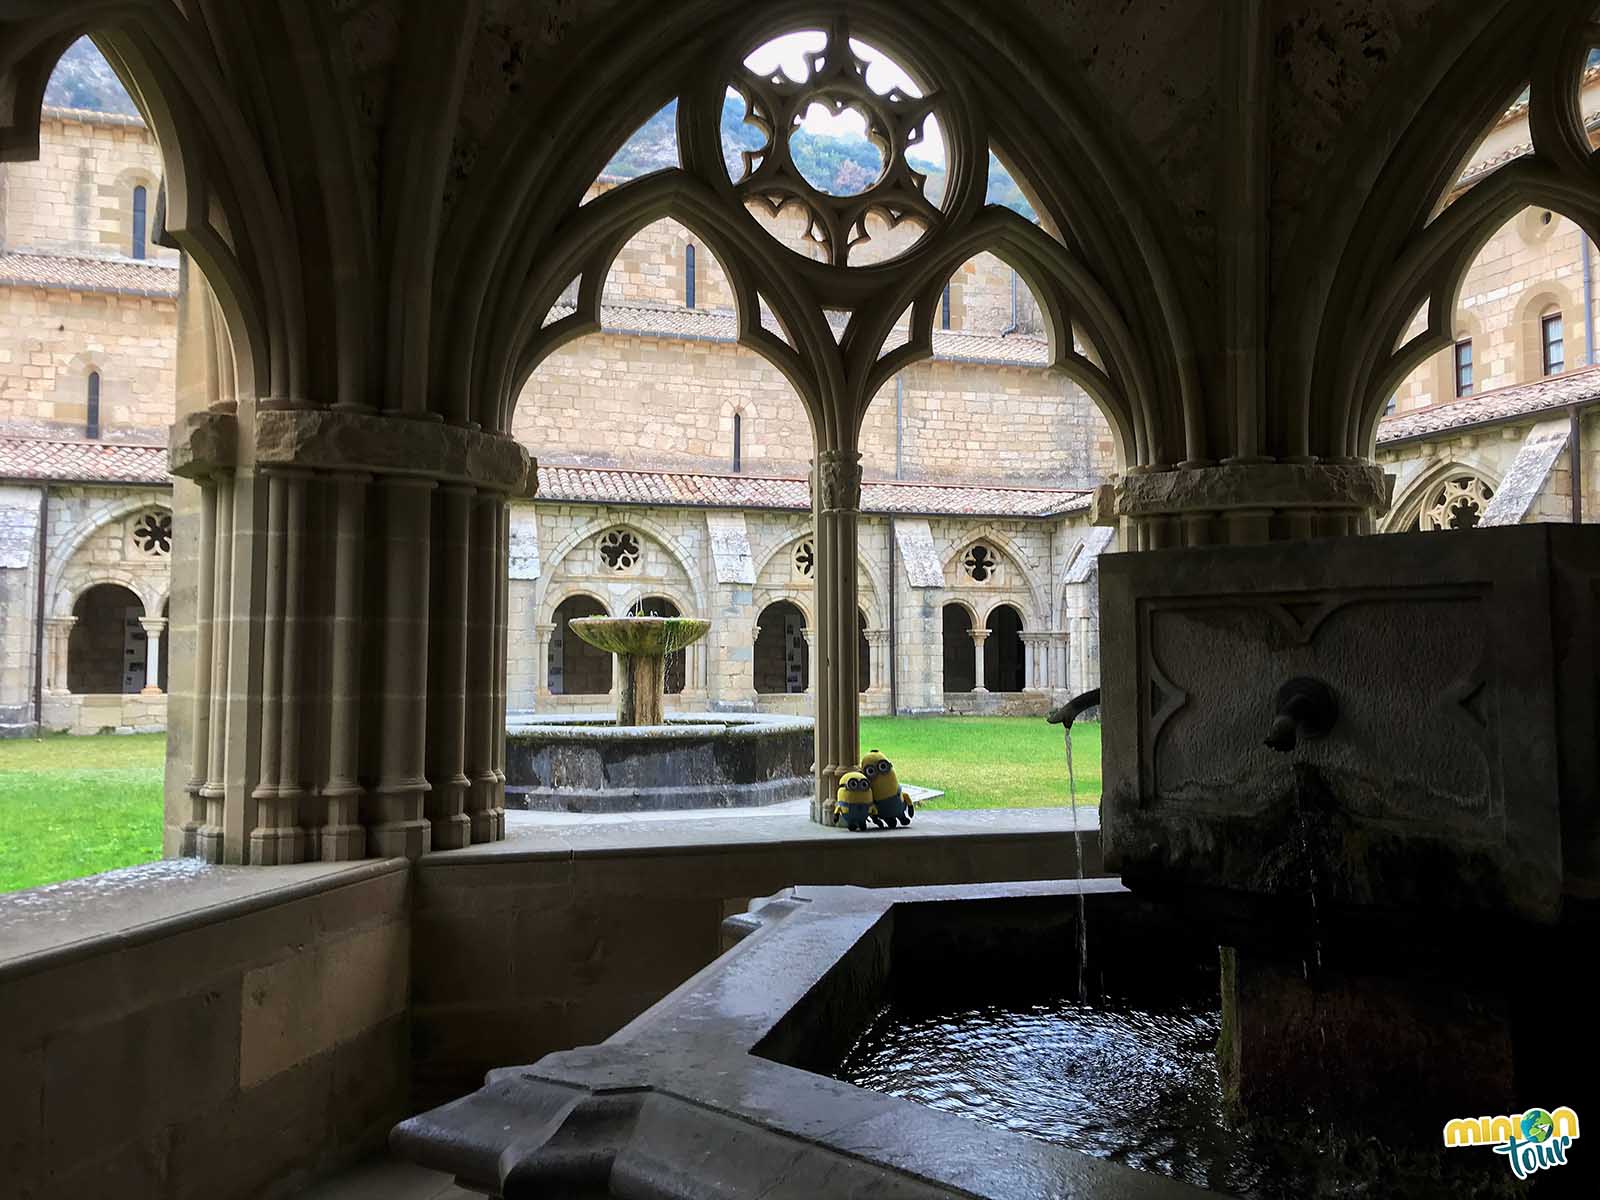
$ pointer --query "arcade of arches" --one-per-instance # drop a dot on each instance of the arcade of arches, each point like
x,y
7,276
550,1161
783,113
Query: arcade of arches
x,y
348,460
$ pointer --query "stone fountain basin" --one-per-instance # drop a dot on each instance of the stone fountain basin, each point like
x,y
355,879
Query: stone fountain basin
x,y
720,1088
646,636
695,760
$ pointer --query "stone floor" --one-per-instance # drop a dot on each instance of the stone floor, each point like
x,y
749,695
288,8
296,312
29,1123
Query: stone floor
x,y
384,1179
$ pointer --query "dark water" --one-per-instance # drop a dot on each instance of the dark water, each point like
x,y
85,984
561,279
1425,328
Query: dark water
x,y
1138,1085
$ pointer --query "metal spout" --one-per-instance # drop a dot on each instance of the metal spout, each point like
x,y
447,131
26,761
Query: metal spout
x,y
1307,708
1072,709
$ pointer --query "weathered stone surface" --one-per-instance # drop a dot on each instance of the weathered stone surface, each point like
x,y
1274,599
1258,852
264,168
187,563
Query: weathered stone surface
x,y
342,441
1463,741
730,547
1269,486
923,566
1530,470
203,443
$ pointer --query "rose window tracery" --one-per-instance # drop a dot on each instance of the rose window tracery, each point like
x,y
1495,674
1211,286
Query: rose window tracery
x,y
619,551
805,557
1457,503
152,533
841,203
982,564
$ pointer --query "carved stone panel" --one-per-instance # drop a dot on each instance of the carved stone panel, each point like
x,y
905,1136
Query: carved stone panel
x,y
1460,739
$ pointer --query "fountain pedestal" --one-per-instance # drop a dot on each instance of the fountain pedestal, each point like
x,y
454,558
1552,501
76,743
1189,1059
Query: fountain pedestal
x,y
641,645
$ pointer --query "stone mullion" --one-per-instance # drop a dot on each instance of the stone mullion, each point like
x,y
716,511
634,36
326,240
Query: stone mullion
x,y
56,659
210,839
398,827
836,492
480,735
447,667
541,667
154,628
298,647
343,837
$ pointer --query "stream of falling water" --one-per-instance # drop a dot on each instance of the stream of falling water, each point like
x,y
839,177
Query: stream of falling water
x,y
1077,843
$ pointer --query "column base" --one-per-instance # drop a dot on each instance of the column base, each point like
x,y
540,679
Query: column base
x,y
341,843
277,847
451,833
400,839
151,691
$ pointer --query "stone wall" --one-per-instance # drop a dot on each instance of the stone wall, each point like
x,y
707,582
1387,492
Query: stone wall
x,y
669,403
77,197
205,1032
19,541
50,342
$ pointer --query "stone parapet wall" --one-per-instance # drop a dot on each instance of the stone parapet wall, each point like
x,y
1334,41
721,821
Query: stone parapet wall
x,y
108,713
191,1033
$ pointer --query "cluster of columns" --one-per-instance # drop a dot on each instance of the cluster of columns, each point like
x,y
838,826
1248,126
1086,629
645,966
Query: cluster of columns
x,y
349,694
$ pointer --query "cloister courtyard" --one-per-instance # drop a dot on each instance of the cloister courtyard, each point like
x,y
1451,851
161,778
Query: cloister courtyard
x,y
74,806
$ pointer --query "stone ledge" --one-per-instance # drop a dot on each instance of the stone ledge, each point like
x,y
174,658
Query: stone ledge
x,y
50,926
1232,487
322,439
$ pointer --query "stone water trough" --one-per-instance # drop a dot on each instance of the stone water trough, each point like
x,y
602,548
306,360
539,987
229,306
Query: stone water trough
x,y
642,760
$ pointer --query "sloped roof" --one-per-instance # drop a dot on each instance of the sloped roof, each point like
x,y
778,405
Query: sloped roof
x,y
1501,404
81,462
82,273
693,489
643,320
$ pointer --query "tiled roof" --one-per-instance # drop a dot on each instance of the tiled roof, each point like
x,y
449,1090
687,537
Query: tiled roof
x,y
607,485
1558,391
81,462
82,273
90,116
1019,350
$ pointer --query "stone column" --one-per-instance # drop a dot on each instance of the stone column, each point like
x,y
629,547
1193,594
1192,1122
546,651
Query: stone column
x,y
878,660
836,501
399,827
447,666
979,637
342,837
154,627
810,636
275,836
541,641
60,638
485,804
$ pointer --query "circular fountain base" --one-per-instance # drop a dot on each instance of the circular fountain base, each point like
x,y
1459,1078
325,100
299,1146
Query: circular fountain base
x,y
695,760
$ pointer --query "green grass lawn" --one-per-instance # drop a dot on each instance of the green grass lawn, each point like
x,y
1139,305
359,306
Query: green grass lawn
x,y
74,806
988,762
71,807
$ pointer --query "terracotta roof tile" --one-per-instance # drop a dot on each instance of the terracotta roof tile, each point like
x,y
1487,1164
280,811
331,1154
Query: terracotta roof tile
x,y
1019,350
1558,391
691,489
81,462
82,273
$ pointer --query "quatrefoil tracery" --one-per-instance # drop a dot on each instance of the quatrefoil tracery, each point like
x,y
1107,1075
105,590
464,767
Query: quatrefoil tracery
x,y
836,78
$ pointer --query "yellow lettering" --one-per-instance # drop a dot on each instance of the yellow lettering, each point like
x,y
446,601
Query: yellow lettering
x,y
1462,1132
1565,1121
1498,1130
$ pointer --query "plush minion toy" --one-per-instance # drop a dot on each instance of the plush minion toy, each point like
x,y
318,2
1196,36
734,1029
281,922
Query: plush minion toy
x,y
853,804
887,796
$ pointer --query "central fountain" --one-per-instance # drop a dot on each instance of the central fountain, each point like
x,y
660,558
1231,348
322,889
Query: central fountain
x,y
645,760
1351,781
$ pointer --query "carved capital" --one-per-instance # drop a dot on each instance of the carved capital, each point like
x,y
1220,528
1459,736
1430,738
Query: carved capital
x,y
836,480
203,444
322,439
1235,487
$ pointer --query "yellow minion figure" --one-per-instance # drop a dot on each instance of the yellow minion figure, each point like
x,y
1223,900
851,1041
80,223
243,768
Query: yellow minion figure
x,y
853,803
888,798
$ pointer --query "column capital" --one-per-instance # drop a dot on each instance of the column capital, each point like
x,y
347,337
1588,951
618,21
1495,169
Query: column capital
x,y
836,480
154,626
980,635
66,622
544,630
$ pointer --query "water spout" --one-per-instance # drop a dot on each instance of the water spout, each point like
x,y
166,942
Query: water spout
x,y
1307,708
1065,716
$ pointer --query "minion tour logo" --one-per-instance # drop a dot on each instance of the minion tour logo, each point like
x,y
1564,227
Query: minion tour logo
x,y
1531,1142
